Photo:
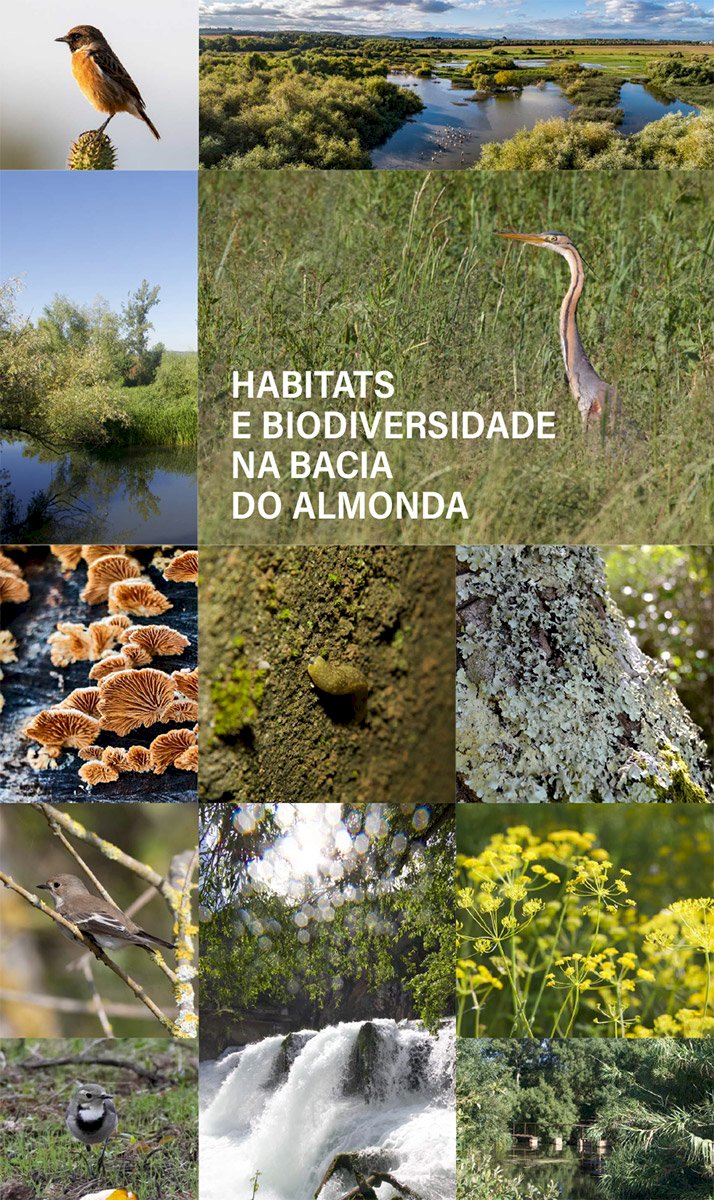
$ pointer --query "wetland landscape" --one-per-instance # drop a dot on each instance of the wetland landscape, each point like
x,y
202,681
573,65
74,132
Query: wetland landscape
x,y
339,102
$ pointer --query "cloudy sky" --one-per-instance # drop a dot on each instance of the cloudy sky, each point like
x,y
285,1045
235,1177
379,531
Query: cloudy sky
x,y
520,18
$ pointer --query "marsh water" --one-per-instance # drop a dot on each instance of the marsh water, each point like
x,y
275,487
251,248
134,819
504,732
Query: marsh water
x,y
131,495
575,1177
452,128
641,106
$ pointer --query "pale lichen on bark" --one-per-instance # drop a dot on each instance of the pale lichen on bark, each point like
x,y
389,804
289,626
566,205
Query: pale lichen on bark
x,y
554,699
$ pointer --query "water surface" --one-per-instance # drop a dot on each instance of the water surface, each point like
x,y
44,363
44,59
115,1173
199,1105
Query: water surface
x,y
133,495
642,106
576,1178
452,128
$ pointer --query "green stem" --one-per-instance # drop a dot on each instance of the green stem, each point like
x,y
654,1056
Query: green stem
x,y
551,960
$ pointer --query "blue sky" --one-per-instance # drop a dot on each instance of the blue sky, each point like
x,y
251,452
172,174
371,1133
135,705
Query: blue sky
x,y
99,233
512,18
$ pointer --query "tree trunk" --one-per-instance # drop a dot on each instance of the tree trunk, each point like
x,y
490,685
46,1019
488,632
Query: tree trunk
x,y
555,700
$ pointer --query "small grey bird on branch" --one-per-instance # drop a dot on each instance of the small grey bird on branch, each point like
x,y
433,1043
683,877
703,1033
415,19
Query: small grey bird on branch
x,y
100,920
91,1117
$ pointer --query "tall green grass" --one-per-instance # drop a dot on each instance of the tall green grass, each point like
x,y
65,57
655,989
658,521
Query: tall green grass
x,y
168,422
162,413
401,271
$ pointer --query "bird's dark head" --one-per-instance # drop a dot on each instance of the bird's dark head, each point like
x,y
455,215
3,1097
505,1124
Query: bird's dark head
x,y
549,241
81,36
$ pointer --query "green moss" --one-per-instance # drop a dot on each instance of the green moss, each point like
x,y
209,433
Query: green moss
x,y
236,694
681,788
284,615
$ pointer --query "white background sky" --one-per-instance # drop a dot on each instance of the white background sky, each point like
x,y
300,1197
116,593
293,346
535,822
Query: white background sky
x,y
43,109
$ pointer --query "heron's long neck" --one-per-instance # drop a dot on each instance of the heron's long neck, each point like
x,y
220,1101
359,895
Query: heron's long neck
x,y
573,350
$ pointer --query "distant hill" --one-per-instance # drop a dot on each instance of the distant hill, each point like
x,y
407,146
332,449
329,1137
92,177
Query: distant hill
x,y
454,40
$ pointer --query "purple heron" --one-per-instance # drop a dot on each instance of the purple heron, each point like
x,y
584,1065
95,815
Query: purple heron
x,y
597,401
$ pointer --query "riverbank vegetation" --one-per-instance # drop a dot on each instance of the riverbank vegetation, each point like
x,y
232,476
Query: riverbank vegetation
x,y
325,913
85,376
323,100
632,1121
597,929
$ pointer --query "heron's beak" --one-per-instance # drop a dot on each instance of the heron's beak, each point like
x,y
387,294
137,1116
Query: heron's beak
x,y
535,239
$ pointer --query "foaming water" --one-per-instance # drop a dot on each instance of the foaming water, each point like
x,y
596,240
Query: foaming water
x,y
289,1126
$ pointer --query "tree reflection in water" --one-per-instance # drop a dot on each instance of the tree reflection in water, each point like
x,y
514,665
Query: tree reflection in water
x,y
85,497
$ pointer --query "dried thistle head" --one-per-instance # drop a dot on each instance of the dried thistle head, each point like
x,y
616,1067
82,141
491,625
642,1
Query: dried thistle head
x,y
91,152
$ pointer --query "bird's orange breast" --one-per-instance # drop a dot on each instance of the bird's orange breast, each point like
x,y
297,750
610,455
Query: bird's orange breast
x,y
101,90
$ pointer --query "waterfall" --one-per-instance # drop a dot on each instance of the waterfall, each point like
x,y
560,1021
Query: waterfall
x,y
380,1088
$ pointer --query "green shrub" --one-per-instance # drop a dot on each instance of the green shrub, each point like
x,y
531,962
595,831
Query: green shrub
x,y
560,144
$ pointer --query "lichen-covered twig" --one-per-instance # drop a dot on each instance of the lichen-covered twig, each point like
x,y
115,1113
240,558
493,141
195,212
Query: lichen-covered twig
x,y
181,873
110,851
79,860
157,956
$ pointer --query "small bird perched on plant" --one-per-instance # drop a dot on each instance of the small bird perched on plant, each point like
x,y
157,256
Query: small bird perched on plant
x,y
91,1117
102,921
102,78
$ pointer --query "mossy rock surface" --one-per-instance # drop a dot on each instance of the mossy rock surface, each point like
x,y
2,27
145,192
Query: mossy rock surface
x,y
270,735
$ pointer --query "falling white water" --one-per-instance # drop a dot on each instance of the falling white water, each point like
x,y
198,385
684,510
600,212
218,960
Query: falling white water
x,y
290,1133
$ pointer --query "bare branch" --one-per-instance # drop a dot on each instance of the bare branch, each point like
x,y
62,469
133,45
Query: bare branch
x,y
65,1004
96,1001
125,1064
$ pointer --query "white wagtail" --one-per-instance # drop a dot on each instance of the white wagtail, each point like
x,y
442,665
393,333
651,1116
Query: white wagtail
x,y
103,922
91,1117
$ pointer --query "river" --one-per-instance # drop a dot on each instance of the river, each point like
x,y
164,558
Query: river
x,y
287,1108
574,1180
642,106
131,495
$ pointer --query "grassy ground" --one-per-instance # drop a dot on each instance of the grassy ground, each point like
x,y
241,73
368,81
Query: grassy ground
x,y
155,1153
401,271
